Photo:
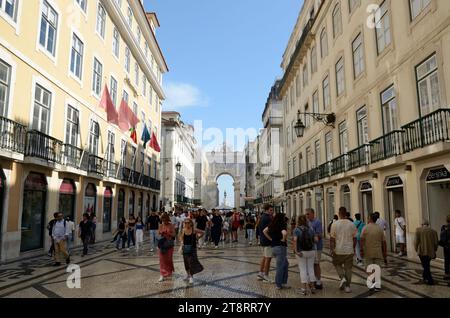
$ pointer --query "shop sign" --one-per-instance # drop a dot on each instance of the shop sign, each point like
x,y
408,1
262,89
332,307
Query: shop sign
x,y
394,182
366,186
438,174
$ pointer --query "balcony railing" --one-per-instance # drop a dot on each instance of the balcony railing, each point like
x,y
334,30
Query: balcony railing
x,y
95,165
339,164
359,157
13,135
324,170
146,181
125,174
430,129
110,169
72,156
135,177
386,146
313,175
40,145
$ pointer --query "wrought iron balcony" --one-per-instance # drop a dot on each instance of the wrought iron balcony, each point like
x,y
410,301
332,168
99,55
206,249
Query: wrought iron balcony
x,y
324,170
40,145
145,181
72,157
110,169
135,177
359,157
387,146
13,135
313,175
95,165
430,129
339,164
125,174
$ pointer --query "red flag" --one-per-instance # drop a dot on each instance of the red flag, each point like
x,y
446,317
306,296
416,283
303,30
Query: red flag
x,y
127,119
133,134
154,143
107,104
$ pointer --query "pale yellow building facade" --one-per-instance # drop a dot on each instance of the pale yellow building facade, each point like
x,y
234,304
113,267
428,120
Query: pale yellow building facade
x,y
385,82
57,150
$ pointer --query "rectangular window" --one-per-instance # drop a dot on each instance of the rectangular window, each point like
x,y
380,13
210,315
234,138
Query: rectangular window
x,y
5,82
313,60
292,97
343,138
94,136
72,126
97,77
155,169
389,110
130,17
417,6
111,153
363,126
317,153
315,102
136,74
298,84
81,3
288,135
123,153
125,97
116,43
76,57
127,59
294,164
329,146
135,108
306,117
48,29
308,159
41,112
358,56
9,7
326,93
101,20
113,89
383,28
340,77
300,163
428,85
144,84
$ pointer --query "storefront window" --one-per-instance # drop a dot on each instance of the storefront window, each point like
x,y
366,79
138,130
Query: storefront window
x,y
107,208
345,190
67,198
90,199
33,213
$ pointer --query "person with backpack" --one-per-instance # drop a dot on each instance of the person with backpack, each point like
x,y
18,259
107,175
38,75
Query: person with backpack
x,y
444,241
316,226
50,224
359,226
276,233
305,252
60,234
342,245
335,218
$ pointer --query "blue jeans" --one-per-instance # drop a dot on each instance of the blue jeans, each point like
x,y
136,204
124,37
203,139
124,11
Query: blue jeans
x,y
121,236
281,276
153,241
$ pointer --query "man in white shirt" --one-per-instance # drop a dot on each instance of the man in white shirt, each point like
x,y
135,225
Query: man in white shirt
x,y
342,245
71,226
400,232
60,234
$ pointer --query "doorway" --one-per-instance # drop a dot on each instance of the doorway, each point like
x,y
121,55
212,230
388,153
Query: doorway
x,y
396,202
366,200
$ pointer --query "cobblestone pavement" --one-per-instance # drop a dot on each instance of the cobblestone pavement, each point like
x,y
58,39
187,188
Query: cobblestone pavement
x,y
229,272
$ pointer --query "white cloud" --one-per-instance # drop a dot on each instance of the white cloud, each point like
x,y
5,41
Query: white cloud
x,y
180,95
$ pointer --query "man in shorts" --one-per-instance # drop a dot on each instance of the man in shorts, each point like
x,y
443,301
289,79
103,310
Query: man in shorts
x,y
316,225
264,222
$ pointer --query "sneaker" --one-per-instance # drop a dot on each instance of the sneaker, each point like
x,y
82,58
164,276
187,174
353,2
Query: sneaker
x,y
360,263
251,243
260,276
302,291
191,280
216,247
342,283
318,286
161,278
152,250
347,289
286,287
400,254
267,279
278,287
377,289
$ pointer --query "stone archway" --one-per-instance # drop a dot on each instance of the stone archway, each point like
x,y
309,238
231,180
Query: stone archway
x,y
224,161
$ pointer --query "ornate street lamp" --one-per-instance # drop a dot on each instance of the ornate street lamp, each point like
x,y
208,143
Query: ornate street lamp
x,y
327,119
178,167
258,175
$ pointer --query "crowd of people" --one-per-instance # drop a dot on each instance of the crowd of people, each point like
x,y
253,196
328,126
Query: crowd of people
x,y
193,230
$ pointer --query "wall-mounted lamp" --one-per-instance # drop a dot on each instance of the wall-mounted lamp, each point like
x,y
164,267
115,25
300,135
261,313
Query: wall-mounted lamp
x,y
327,119
408,168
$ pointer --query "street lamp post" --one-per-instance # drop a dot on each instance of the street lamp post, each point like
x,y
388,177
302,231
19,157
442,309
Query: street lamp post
x,y
327,119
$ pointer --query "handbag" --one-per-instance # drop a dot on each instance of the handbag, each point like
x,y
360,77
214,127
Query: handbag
x,y
188,249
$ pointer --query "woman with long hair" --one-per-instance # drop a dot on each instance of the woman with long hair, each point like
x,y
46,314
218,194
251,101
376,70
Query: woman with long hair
x,y
216,227
276,232
188,247
166,233
139,231
305,250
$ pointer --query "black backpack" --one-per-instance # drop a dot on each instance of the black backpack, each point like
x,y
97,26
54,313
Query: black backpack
x,y
305,242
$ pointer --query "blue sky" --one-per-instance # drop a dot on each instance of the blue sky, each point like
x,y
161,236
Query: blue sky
x,y
223,57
